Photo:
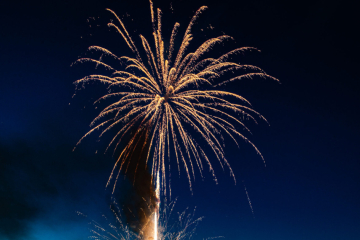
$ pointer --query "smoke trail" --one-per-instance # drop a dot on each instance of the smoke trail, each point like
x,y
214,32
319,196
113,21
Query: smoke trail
x,y
140,205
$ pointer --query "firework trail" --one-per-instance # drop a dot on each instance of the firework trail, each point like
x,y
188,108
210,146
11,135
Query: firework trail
x,y
165,101
141,206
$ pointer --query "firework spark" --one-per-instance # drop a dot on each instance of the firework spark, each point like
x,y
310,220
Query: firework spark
x,y
180,228
173,94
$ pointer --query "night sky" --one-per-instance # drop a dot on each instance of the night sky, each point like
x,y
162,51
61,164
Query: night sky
x,y
309,188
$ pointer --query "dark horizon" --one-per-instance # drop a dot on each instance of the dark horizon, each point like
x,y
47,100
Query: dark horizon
x,y
309,188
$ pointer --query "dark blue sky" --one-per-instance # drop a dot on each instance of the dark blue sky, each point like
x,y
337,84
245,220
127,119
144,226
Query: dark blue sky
x,y
309,188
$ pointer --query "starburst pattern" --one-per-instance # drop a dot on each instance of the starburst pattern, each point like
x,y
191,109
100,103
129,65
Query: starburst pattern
x,y
172,94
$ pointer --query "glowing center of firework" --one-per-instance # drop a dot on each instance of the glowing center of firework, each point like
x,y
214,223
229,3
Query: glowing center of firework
x,y
169,93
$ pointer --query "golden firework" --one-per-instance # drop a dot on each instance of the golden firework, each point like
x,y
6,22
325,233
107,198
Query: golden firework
x,y
179,227
169,96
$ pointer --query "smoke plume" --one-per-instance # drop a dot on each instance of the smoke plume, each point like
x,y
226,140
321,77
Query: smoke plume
x,y
140,205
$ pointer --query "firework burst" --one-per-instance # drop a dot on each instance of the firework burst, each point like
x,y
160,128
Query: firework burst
x,y
181,227
172,94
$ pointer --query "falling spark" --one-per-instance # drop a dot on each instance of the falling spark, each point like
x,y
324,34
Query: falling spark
x,y
173,94
249,201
